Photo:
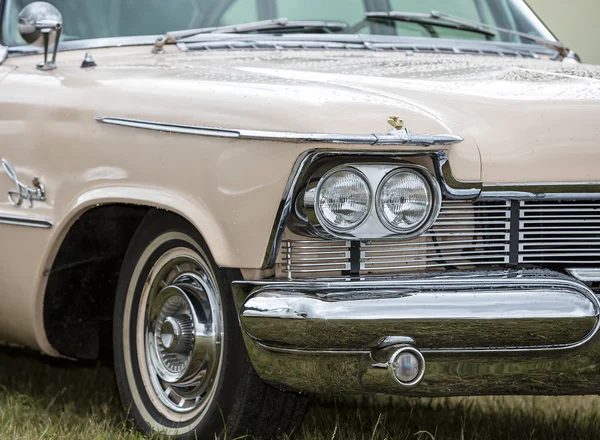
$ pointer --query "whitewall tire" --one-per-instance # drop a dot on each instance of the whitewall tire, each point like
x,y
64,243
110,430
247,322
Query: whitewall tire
x,y
181,366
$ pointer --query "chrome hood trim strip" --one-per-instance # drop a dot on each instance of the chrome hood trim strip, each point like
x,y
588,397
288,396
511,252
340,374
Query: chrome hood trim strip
x,y
24,221
394,137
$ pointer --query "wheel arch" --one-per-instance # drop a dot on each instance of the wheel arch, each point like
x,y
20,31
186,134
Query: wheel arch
x,y
192,209
102,217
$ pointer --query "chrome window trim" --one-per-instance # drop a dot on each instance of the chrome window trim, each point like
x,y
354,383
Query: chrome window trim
x,y
359,41
408,44
394,137
25,221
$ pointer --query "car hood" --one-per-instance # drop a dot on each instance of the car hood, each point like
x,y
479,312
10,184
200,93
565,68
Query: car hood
x,y
520,117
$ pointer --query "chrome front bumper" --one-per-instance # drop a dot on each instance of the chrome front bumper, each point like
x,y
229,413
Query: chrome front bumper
x,y
517,332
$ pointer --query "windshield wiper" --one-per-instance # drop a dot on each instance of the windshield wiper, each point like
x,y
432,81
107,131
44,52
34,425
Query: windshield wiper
x,y
445,20
278,24
427,21
563,51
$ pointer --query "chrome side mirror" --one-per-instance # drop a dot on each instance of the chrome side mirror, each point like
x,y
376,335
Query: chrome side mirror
x,y
40,23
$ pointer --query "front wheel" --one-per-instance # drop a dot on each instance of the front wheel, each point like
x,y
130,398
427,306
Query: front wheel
x,y
181,365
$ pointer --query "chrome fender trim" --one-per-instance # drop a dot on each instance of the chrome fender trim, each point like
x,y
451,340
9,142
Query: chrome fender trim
x,y
25,221
394,137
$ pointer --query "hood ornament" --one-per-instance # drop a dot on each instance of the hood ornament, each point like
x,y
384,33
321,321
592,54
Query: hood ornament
x,y
396,122
23,192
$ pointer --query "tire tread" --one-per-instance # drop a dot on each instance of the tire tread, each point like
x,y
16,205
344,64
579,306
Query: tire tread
x,y
263,409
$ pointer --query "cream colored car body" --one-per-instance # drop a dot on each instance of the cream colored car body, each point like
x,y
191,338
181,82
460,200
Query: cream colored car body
x,y
523,121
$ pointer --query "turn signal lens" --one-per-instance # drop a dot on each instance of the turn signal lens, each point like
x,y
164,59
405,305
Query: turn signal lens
x,y
343,200
404,201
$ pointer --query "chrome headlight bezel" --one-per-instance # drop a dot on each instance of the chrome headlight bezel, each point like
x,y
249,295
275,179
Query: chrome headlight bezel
x,y
427,219
327,224
372,227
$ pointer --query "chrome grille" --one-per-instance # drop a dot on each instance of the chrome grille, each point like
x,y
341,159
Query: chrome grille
x,y
315,256
559,233
465,236
459,237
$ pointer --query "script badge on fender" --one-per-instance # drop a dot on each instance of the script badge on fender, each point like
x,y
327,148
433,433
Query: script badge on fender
x,y
23,192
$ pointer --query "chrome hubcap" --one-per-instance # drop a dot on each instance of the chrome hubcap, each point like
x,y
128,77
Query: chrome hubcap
x,y
173,332
177,334
183,331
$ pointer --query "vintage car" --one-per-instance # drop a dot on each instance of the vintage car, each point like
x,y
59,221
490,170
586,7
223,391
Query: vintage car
x,y
281,198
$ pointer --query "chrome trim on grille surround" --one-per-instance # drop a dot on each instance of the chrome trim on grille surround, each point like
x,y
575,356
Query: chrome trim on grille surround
x,y
452,188
540,191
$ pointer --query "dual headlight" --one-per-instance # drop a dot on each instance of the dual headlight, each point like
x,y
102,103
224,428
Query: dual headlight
x,y
405,202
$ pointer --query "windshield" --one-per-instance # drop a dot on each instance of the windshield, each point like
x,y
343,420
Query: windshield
x,y
84,19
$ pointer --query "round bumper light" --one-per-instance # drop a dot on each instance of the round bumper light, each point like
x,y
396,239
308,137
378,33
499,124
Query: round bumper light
x,y
404,201
343,200
408,366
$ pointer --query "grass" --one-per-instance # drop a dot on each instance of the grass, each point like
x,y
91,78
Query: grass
x,y
43,398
